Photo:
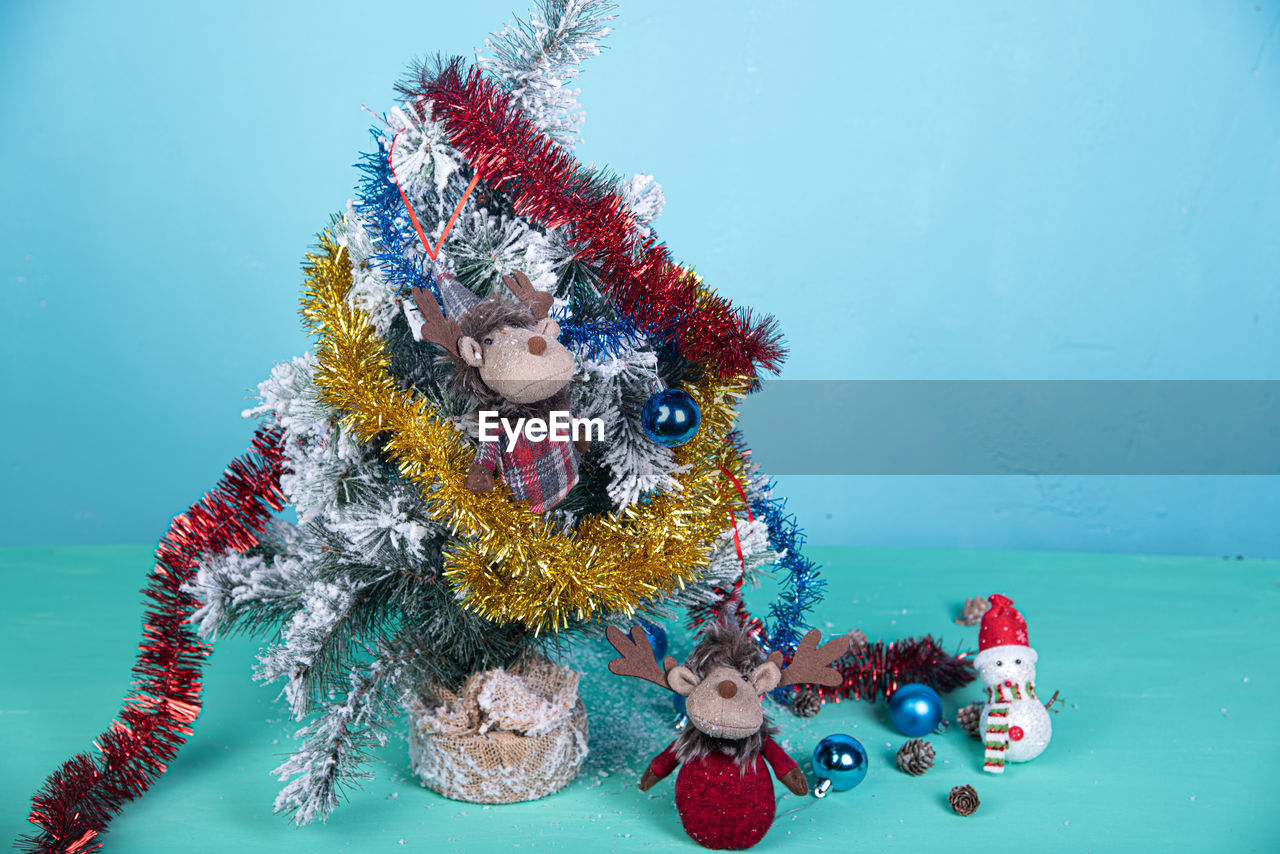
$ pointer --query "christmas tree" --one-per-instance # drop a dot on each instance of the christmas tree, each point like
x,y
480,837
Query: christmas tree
x,y
397,583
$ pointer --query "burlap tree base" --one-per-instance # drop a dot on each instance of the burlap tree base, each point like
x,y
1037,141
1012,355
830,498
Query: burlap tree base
x,y
507,736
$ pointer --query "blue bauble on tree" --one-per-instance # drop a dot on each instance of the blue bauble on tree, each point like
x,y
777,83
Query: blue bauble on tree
x,y
840,762
671,417
657,636
915,709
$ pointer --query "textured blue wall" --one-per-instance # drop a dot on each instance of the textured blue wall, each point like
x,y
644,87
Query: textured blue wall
x,y
918,191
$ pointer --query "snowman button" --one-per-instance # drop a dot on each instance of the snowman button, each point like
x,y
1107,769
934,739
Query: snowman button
x,y
1008,684
1016,733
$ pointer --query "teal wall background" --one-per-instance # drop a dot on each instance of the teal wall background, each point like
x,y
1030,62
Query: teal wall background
x,y
983,190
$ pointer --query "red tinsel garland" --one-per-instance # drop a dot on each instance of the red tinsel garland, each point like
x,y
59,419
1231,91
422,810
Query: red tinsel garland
x,y
877,669
546,184
78,800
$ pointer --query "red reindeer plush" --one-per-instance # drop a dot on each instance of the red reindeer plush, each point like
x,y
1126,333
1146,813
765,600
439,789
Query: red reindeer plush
x,y
724,793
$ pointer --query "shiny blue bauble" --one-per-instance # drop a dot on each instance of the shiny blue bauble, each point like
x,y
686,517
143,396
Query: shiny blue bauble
x,y
915,709
671,418
679,703
657,636
841,759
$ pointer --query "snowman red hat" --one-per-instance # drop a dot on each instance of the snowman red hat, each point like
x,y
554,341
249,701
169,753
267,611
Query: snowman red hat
x,y
1003,633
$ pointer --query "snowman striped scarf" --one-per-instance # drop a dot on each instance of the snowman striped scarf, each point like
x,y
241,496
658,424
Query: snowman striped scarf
x,y
996,737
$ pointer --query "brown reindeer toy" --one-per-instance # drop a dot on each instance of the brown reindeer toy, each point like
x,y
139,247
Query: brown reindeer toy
x,y
724,793
508,358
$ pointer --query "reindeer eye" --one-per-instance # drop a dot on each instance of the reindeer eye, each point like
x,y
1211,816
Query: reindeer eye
x,y
488,340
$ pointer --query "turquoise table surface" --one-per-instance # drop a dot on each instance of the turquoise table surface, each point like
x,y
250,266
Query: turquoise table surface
x,y
1168,741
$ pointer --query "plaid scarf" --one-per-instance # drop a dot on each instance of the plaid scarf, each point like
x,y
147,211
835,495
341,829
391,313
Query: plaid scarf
x,y
541,472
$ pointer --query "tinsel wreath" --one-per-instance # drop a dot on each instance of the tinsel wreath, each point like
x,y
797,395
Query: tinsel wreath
x,y
874,670
78,800
546,184
509,564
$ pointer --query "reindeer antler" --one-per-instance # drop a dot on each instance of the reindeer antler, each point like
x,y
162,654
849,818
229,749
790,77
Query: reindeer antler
x,y
443,333
812,663
539,302
637,657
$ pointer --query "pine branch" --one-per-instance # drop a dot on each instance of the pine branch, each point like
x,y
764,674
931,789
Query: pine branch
x,y
452,643
337,744
537,58
724,569
616,390
244,592
321,639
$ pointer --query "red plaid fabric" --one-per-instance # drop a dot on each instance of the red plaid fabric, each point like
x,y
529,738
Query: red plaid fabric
x,y
541,473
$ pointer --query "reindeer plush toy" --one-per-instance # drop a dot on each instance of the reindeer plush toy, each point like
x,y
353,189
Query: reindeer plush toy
x,y
508,358
724,793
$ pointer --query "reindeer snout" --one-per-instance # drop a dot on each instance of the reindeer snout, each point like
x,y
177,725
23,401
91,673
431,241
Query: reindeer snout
x,y
537,345
727,689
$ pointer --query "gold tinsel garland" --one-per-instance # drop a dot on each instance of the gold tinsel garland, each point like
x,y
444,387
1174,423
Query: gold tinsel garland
x,y
506,562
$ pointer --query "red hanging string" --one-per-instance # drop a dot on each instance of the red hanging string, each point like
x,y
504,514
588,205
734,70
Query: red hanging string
x,y
729,605
413,216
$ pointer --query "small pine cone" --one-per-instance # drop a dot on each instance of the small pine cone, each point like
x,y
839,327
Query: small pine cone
x,y
916,756
974,608
857,638
969,717
963,800
806,705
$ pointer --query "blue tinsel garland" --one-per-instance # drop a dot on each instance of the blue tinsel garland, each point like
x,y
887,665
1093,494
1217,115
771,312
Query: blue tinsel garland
x,y
378,202
801,586
595,341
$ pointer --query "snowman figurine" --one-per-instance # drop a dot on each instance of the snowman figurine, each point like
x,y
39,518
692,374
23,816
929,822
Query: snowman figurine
x,y
1015,725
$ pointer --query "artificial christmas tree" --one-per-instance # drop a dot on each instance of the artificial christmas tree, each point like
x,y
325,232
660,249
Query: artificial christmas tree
x,y
406,577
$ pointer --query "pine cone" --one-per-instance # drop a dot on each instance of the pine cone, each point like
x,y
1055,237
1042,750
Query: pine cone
x,y
974,608
963,800
806,705
916,756
969,718
857,638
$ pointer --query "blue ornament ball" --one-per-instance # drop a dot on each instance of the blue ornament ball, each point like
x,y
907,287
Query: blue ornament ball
x,y
915,709
671,418
657,636
678,702
841,759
